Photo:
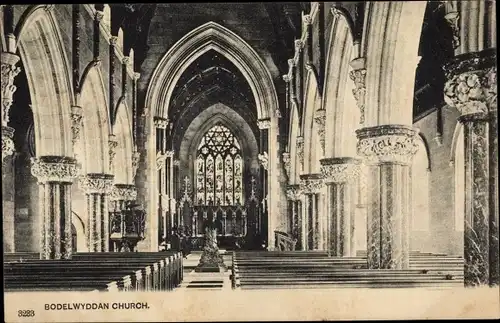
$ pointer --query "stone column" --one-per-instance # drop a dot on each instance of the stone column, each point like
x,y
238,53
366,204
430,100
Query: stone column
x,y
294,195
97,189
9,72
311,185
55,175
340,176
472,89
388,151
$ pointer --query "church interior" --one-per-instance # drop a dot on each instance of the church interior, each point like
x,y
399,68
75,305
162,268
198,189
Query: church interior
x,y
276,145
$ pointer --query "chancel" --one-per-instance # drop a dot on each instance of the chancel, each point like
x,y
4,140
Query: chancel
x,y
280,145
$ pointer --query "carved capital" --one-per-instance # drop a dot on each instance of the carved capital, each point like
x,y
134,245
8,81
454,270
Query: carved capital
x,y
286,162
286,78
389,143
76,122
320,119
291,63
264,124
298,45
123,192
300,150
472,92
126,60
54,169
9,72
161,123
358,76
7,142
97,183
311,183
294,192
98,16
137,76
338,170
263,160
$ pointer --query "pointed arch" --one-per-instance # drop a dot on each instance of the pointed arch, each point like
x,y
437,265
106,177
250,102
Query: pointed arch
x,y
123,132
96,127
312,103
44,58
341,112
211,36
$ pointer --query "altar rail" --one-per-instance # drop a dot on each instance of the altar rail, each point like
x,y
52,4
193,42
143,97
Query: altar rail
x,y
284,242
106,271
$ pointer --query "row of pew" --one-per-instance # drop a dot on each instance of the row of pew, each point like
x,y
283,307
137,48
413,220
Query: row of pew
x,y
105,271
315,269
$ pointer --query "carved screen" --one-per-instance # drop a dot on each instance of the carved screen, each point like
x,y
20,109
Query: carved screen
x,y
219,168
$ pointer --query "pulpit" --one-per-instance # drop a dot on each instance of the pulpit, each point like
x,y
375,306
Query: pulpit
x,y
127,228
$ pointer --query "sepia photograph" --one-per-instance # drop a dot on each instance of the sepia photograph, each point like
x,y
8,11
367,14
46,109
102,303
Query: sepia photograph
x,y
250,161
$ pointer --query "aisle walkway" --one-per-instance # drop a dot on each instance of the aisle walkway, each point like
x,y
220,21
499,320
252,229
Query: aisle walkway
x,y
204,281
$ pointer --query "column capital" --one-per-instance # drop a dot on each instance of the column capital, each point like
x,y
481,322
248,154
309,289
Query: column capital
x,y
169,153
54,169
298,44
311,183
7,141
113,40
294,192
286,78
97,183
307,19
264,124
339,170
160,123
472,84
123,192
387,143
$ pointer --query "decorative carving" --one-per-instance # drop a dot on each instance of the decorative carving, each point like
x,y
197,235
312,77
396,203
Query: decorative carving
x,y
76,122
320,119
112,150
291,63
54,169
253,190
263,160
7,142
359,91
161,123
98,16
300,150
125,60
9,72
294,192
177,162
298,45
286,78
123,192
338,170
160,160
473,91
453,20
169,153
264,124
286,162
137,76
113,40
390,143
307,19
186,195
97,183
311,183
136,156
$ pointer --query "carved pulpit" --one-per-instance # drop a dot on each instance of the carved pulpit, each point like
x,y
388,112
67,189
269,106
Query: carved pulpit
x,y
127,228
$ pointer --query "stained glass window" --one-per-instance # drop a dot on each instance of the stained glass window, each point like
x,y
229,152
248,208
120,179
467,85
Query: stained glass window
x,y
219,168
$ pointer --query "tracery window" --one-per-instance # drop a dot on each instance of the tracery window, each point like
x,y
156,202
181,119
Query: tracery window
x,y
219,168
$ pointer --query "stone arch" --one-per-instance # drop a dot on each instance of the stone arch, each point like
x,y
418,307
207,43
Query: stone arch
x,y
123,159
342,114
194,44
81,237
93,145
312,148
44,58
421,182
390,44
211,36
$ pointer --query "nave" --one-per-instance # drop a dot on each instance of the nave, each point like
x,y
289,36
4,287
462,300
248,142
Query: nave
x,y
327,144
